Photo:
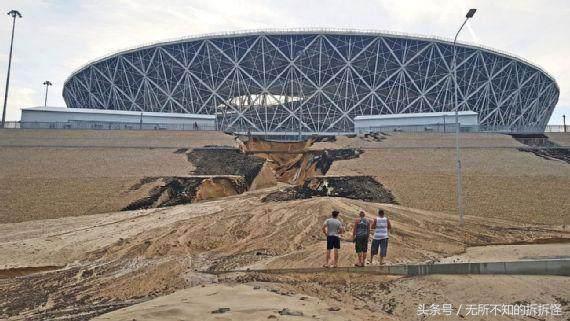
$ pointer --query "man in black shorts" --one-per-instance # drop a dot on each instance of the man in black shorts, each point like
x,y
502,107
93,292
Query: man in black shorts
x,y
332,228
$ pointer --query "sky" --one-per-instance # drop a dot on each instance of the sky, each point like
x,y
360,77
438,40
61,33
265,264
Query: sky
x,y
56,37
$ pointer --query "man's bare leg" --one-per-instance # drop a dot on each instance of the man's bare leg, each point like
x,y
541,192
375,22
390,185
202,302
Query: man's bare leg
x,y
381,260
335,258
371,259
328,259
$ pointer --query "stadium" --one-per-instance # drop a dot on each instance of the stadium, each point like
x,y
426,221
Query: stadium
x,y
316,81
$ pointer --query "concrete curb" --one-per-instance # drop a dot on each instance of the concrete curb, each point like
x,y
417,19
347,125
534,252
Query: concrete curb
x,y
531,267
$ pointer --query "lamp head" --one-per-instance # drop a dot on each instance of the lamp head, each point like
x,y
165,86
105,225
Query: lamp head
x,y
15,13
470,13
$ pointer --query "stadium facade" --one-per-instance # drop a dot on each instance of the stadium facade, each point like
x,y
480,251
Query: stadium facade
x,y
315,81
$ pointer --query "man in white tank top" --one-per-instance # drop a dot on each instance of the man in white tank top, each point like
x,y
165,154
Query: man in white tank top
x,y
381,227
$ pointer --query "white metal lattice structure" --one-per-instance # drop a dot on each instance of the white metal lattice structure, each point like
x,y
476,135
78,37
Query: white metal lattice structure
x,y
314,81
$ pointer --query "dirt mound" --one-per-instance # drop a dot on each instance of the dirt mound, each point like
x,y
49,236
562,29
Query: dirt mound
x,y
364,188
157,251
225,161
170,191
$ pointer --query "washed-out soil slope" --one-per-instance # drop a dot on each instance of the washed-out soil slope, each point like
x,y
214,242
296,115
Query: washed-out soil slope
x,y
263,166
121,260
91,265
170,191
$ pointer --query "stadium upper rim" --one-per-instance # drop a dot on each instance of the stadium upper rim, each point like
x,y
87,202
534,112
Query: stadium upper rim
x,y
301,31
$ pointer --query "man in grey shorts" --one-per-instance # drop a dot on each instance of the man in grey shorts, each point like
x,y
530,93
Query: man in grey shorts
x,y
381,227
332,228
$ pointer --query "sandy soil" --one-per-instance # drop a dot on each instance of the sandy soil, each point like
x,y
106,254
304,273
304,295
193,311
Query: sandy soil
x,y
58,242
505,253
562,139
39,183
497,182
234,229
103,262
398,298
112,138
245,302
86,172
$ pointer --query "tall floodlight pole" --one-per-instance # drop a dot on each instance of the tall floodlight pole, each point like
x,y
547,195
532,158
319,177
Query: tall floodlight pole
x,y
469,15
14,14
46,83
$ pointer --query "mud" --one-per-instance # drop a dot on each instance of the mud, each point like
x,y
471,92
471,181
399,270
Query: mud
x,y
170,191
363,188
239,233
83,292
541,146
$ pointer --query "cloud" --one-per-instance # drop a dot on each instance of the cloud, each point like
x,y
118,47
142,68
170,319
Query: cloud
x,y
55,37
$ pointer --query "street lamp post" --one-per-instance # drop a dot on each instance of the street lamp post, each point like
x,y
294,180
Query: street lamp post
x,y
564,122
459,187
47,83
14,14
